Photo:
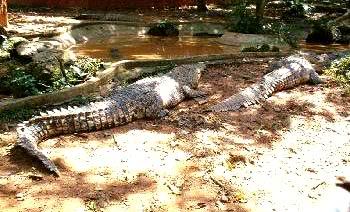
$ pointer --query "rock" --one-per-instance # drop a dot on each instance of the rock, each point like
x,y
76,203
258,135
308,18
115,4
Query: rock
x,y
207,34
327,34
295,11
3,31
240,39
264,48
2,39
320,34
205,29
344,34
224,198
275,49
114,53
29,49
163,29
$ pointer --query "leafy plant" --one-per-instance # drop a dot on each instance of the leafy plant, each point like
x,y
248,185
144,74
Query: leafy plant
x,y
340,71
295,9
243,21
289,33
20,84
260,48
15,115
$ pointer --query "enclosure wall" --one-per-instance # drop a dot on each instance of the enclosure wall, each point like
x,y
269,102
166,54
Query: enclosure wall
x,y
106,4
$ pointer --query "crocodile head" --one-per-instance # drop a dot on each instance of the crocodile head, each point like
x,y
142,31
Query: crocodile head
x,y
188,74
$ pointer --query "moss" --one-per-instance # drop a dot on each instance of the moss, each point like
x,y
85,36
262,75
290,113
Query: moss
x,y
250,49
260,48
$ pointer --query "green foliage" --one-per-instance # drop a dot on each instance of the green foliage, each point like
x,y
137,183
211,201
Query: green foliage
x,y
22,81
289,33
244,21
261,48
74,74
20,84
250,49
323,32
164,28
295,10
12,43
4,55
88,65
340,71
22,114
16,115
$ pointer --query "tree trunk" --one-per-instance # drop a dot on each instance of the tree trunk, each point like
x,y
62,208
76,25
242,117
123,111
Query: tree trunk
x,y
201,6
260,6
3,13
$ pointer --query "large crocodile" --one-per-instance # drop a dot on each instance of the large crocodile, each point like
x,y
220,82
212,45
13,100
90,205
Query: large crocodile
x,y
146,98
287,73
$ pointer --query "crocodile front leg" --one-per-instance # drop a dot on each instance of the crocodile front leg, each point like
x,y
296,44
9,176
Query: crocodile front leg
x,y
198,96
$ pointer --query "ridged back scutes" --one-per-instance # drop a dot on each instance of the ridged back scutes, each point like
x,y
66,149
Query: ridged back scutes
x,y
289,72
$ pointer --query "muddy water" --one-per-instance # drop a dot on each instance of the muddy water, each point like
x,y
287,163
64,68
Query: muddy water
x,y
323,48
148,47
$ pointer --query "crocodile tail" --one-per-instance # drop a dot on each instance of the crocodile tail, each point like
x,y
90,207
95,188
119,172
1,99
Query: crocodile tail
x,y
95,116
252,95
28,137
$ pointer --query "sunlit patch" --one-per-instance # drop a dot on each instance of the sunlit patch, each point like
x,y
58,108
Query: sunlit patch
x,y
137,151
147,56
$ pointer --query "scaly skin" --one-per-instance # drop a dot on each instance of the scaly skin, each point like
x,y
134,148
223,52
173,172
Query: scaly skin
x,y
287,73
146,98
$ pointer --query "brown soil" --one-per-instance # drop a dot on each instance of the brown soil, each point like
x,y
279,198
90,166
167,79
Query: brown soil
x,y
281,155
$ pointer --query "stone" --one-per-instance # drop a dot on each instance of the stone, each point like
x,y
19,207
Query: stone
x,y
163,29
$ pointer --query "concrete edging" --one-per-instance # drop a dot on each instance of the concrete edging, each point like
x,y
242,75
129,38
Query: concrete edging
x,y
119,70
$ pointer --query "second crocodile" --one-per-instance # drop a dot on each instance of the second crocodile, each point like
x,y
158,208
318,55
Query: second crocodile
x,y
286,73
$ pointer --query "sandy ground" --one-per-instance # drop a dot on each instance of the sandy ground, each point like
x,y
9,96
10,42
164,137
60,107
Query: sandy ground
x,y
281,155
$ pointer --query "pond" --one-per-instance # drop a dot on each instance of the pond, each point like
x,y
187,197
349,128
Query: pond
x,y
150,47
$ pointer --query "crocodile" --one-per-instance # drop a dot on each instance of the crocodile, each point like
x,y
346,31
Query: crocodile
x,y
146,98
287,73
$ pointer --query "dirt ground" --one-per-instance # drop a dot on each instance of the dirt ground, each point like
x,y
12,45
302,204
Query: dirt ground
x,y
282,155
